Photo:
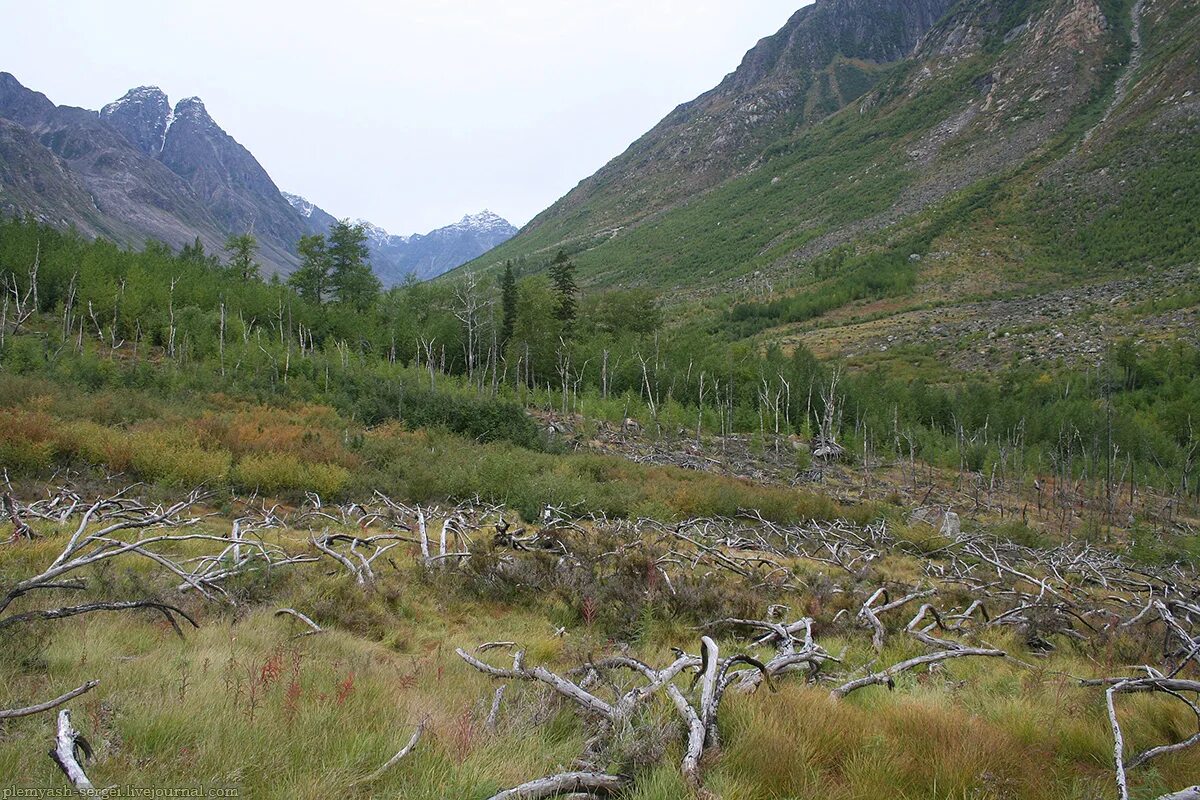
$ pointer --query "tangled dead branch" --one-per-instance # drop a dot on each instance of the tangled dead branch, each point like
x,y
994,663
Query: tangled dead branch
x,y
967,585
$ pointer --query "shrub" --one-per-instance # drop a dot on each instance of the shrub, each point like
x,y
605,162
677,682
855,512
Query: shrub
x,y
96,444
26,444
173,457
282,473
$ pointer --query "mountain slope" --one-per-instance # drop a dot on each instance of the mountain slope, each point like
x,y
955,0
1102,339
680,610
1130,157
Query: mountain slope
x,y
827,55
986,117
233,186
33,181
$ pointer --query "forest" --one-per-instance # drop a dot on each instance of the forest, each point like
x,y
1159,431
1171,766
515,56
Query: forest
x,y
469,355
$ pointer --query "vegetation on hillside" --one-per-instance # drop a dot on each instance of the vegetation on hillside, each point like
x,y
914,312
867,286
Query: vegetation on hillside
x,y
169,327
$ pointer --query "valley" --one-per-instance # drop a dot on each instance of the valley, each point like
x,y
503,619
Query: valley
x,y
838,439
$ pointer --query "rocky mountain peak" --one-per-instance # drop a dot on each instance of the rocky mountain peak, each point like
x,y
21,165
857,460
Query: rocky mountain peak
x,y
376,235
486,221
192,109
304,207
20,104
142,116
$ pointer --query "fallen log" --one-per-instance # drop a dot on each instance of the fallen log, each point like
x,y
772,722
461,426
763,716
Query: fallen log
x,y
167,610
562,686
1190,793
13,713
391,762
596,783
888,675
303,618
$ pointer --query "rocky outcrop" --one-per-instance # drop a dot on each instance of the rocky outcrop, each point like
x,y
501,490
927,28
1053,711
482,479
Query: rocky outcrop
x,y
142,116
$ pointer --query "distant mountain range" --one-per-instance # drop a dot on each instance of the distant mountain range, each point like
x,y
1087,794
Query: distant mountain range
x,y
141,169
422,256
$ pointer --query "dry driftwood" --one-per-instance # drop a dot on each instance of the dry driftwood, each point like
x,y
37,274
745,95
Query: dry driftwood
x,y
49,704
391,762
20,529
168,611
568,689
68,745
1155,683
85,549
315,628
1190,793
592,783
888,675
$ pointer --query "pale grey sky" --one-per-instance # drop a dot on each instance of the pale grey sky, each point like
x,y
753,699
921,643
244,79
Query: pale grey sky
x,y
408,114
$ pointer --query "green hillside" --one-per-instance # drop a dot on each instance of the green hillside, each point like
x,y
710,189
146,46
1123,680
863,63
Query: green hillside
x,y
961,137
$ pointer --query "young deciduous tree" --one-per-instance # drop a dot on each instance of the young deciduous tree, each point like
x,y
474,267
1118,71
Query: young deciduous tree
x,y
625,311
536,332
351,277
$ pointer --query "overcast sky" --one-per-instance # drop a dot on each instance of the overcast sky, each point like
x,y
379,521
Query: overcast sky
x,y
409,114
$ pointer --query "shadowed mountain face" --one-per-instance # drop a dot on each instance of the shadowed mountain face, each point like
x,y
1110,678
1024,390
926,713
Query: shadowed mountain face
x,y
142,116
140,169
151,173
230,183
88,175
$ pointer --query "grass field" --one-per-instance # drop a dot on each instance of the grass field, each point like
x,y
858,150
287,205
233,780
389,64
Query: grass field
x,y
241,702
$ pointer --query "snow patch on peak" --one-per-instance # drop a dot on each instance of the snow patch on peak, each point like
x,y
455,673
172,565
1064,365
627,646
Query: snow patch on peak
x,y
301,204
162,145
140,94
191,107
485,221
375,234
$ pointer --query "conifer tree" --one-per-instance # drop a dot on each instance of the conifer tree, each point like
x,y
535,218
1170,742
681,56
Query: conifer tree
x,y
508,304
562,275
312,280
351,277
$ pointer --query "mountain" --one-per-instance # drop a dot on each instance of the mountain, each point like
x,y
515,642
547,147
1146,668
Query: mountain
x,y
423,256
141,169
987,145
66,166
826,56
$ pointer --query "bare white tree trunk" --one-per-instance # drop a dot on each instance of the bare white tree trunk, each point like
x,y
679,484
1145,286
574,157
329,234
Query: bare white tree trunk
x,y
66,742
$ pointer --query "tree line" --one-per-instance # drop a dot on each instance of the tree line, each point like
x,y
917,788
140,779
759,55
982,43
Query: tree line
x,y
531,337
